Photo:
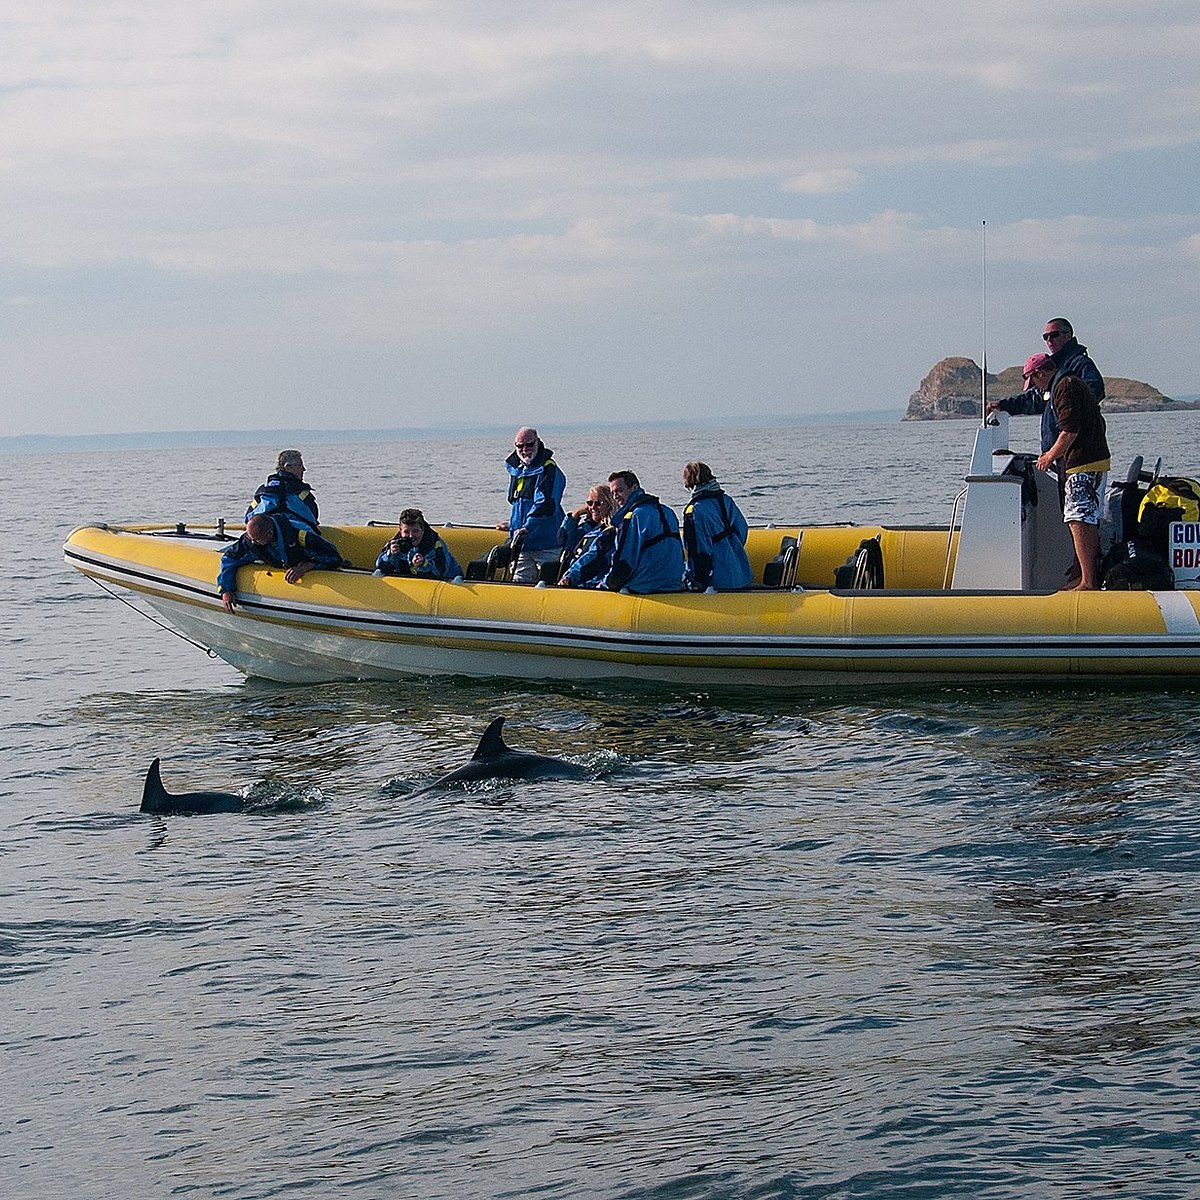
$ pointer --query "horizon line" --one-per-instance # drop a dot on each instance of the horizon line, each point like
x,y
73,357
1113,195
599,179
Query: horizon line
x,y
159,437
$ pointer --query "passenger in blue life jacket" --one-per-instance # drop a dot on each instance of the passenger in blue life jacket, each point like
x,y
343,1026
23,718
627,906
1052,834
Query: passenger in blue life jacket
x,y
535,492
286,492
588,540
714,536
648,556
417,550
276,541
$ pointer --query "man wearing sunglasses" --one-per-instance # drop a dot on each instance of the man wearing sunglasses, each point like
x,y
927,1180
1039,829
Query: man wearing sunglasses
x,y
535,491
1068,357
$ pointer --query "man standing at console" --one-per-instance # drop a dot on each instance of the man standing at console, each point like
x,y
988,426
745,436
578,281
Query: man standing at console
x,y
1068,357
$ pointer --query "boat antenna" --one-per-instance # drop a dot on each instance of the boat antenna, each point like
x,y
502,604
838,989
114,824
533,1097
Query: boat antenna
x,y
983,371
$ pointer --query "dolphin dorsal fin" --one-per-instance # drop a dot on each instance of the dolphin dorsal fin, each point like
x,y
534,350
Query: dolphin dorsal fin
x,y
491,745
152,789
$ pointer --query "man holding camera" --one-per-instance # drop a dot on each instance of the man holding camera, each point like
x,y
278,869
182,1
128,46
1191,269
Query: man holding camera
x,y
417,550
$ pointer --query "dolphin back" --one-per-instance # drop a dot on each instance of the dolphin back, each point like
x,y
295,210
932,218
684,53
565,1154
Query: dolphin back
x,y
156,798
491,745
493,759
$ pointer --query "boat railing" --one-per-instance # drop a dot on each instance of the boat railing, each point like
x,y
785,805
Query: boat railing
x,y
955,516
181,529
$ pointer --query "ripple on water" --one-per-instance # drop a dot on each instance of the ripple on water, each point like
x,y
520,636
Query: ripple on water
x,y
916,941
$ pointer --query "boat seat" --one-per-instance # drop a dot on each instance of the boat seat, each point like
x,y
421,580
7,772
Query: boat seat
x,y
780,571
863,570
496,568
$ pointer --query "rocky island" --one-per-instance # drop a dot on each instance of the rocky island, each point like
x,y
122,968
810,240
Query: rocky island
x,y
951,389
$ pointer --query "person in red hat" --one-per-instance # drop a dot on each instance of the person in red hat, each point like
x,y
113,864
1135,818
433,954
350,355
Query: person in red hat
x,y
1035,362
1081,456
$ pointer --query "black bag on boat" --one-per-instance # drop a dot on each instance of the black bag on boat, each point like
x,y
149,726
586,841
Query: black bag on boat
x,y
1119,513
1133,566
1128,561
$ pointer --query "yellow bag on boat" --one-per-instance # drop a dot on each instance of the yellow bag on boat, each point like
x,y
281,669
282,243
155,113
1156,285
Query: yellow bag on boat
x,y
1170,498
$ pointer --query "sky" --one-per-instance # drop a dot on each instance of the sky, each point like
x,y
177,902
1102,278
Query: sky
x,y
364,214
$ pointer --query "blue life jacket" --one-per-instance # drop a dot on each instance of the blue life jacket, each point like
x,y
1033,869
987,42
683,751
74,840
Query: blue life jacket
x,y
535,493
714,537
570,533
592,556
1069,359
648,556
439,562
290,547
284,493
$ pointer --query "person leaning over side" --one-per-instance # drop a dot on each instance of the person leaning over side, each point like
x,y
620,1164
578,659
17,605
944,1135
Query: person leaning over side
x,y
1068,358
286,492
417,550
588,540
535,491
714,536
648,555
274,540
1081,451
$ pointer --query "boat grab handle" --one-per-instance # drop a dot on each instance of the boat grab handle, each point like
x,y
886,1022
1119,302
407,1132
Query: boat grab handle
x,y
954,514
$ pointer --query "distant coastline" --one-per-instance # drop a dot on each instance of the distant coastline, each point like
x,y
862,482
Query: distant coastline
x,y
37,443
952,389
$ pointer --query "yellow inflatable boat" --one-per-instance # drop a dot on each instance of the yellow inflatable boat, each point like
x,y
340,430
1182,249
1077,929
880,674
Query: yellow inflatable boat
x,y
973,600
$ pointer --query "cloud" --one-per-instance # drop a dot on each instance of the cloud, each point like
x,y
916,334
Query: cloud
x,y
273,183
830,181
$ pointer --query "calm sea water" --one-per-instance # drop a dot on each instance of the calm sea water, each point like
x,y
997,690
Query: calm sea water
x,y
918,943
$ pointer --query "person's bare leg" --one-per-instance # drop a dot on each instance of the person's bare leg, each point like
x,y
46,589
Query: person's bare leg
x,y
1087,553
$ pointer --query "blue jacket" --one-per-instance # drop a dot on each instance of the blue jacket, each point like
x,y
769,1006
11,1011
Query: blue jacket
x,y
290,547
535,493
590,556
571,531
1069,359
648,556
714,536
287,494
398,560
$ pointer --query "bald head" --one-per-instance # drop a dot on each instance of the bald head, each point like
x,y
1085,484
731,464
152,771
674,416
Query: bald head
x,y
260,530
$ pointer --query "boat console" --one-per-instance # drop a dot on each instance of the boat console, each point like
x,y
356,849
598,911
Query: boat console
x,y
1012,536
